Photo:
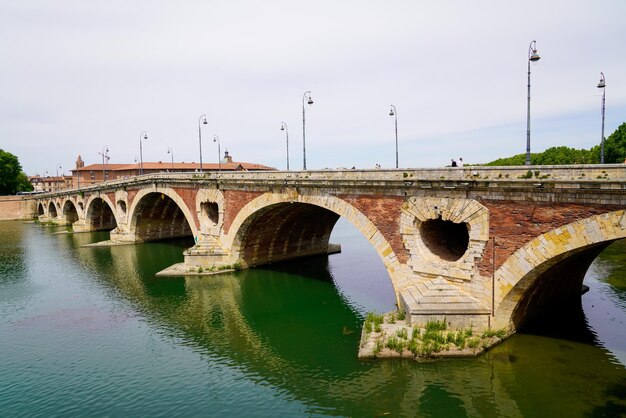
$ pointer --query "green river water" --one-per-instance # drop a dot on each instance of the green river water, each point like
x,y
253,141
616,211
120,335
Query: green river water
x,y
89,331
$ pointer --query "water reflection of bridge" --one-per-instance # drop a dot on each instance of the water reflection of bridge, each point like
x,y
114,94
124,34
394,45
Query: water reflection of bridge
x,y
251,320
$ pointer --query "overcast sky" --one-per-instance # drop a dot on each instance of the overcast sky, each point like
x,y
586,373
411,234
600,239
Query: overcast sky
x,y
78,75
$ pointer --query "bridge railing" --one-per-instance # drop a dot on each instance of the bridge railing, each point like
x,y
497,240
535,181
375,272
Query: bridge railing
x,y
589,176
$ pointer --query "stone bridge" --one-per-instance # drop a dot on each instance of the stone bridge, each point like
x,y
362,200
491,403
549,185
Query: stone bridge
x,y
489,246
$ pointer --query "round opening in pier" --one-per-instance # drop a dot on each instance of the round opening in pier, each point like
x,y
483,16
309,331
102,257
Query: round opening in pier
x,y
446,239
121,206
210,210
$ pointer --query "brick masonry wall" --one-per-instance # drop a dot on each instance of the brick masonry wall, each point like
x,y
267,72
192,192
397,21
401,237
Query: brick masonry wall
x,y
131,197
16,207
384,212
515,223
233,202
189,197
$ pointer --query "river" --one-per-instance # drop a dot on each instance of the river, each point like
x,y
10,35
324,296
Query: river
x,y
89,331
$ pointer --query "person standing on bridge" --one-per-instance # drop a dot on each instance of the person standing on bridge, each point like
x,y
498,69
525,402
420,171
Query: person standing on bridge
x,y
460,162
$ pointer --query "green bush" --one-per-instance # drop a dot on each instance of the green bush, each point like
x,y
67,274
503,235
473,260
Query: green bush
x,y
395,344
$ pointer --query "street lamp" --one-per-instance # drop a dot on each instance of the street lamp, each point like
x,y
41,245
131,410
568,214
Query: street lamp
x,y
307,95
219,152
170,150
56,181
283,127
393,112
602,85
532,57
105,158
142,136
201,121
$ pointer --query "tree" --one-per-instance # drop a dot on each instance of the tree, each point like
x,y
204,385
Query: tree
x,y
12,179
614,152
615,146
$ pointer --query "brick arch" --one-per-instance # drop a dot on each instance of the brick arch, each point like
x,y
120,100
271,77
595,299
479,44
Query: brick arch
x,y
52,209
69,211
564,252
102,220
40,209
330,209
177,228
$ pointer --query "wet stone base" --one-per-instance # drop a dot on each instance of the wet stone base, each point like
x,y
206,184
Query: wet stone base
x,y
181,269
109,243
389,336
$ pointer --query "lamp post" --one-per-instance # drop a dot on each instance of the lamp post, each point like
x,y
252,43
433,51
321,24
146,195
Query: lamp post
x,y
56,181
219,152
602,85
283,127
393,112
170,150
201,121
105,158
532,57
307,95
142,136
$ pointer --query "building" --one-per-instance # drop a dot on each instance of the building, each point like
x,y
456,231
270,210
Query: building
x,y
97,173
50,183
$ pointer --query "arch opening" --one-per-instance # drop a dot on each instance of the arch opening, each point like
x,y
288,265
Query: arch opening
x,y
52,210
285,231
446,239
40,210
157,217
100,216
555,291
69,212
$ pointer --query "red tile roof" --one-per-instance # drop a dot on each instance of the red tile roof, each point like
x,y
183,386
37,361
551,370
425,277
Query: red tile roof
x,y
235,165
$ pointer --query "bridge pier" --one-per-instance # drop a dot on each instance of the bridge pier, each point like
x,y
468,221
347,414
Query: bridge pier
x,y
439,300
122,234
208,254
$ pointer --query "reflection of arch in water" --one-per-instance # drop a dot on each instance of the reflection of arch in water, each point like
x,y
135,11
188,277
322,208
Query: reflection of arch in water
x,y
549,270
276,227
162,214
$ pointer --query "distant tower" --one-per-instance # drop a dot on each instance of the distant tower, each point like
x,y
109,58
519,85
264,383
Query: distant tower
x,y
79,163
227,158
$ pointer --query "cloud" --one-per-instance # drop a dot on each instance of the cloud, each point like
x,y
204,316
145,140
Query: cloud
x,y
81,75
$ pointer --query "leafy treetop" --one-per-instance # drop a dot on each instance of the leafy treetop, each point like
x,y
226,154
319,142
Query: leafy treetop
x,y
12,179
614,152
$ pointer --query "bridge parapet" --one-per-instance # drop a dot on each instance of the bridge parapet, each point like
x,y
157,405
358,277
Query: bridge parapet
x,y
589,176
